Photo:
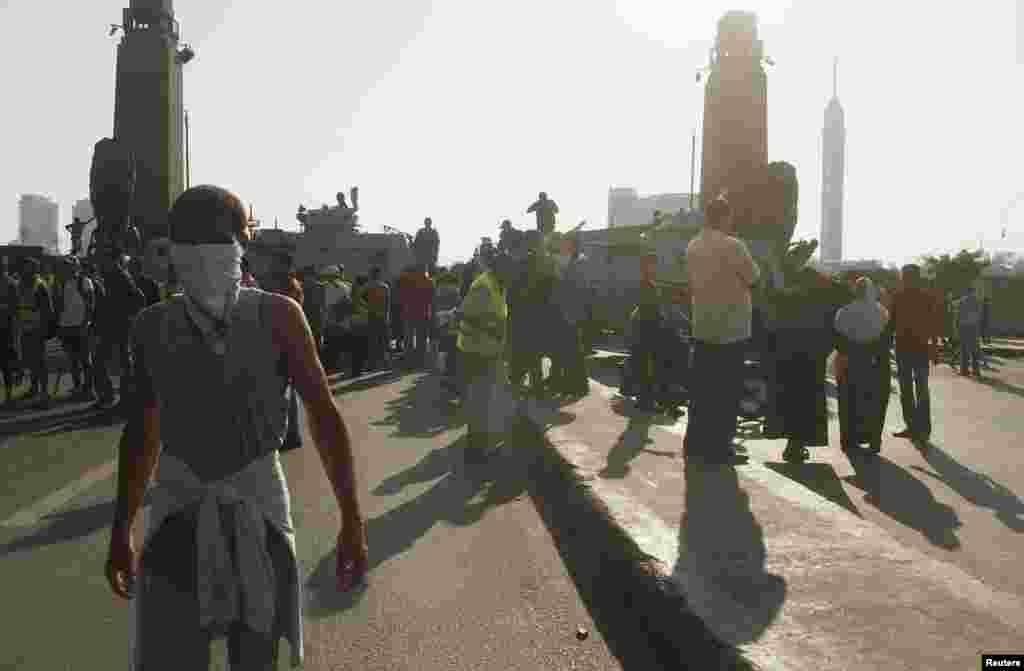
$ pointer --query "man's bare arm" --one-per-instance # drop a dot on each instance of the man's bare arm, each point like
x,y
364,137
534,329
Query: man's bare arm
x,y
325,422
139,448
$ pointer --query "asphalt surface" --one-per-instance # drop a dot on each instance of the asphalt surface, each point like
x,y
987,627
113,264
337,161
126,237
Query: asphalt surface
x,y
956,498
464,572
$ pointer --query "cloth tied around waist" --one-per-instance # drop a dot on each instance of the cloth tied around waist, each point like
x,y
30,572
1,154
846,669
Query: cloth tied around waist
x,y
228,590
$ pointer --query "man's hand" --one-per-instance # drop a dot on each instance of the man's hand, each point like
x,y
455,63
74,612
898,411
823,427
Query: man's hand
x,y
353,554
122,563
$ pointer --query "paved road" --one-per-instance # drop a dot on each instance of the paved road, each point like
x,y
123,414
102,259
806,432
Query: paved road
x,y
960,499
464,573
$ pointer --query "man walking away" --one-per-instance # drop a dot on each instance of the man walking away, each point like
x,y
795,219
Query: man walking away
x,y
76,309
10,345
917,325
969,311
35,315
721,275
545,209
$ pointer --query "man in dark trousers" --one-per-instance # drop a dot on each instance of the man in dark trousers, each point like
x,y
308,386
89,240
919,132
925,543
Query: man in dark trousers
x,y
571,296
378,302
315,304
35,316
10,345
114,315
917,324
986,320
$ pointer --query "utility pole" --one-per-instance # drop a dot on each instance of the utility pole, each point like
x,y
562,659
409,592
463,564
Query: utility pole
x,y
693,165
188,163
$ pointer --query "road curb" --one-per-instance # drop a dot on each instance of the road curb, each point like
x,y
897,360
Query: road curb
x,y
641,582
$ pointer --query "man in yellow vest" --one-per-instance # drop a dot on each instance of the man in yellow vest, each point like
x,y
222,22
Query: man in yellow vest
x,y
481,345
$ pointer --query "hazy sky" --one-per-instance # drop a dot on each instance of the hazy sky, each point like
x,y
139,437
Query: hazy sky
x,y
463,110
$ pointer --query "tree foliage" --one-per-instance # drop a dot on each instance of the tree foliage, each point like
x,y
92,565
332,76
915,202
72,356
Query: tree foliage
x,y
955,273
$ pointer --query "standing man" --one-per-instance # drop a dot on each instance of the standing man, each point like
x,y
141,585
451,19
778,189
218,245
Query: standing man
x,y
510,239
315,304
481,344
417,299
970,316
76,309
10,345
545,209
122,301
35,315
571,295
378,302
986,320
722,274
349,218
426,246
917,325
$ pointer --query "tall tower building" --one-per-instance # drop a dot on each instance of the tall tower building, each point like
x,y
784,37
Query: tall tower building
x,y
148,112
735,144
833,150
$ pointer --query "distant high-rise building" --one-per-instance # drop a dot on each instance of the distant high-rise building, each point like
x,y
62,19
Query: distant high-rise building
x,y
628,208
833,149
82,209
38,221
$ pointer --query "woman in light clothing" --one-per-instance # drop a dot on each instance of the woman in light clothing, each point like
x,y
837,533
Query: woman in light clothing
x,y
864,337
210,411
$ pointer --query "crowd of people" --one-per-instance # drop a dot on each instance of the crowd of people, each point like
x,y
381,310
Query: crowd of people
x,y
218,356
88,307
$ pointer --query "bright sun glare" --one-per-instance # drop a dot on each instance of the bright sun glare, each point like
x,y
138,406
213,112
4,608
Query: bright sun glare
x,y
677,23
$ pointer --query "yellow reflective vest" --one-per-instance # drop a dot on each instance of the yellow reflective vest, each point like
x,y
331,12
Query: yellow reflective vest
x,y
360,307
27,312
484,318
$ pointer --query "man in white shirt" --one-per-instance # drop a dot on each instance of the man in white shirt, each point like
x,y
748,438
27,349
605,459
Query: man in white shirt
x,y
76,305
721,275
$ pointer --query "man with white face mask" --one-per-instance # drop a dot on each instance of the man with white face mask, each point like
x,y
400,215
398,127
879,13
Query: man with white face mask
x,y
213,371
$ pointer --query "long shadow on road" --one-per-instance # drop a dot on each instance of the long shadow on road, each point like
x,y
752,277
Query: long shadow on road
x,y
976,488
65,526
722,558
425,409
901,496
52,421
461,498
